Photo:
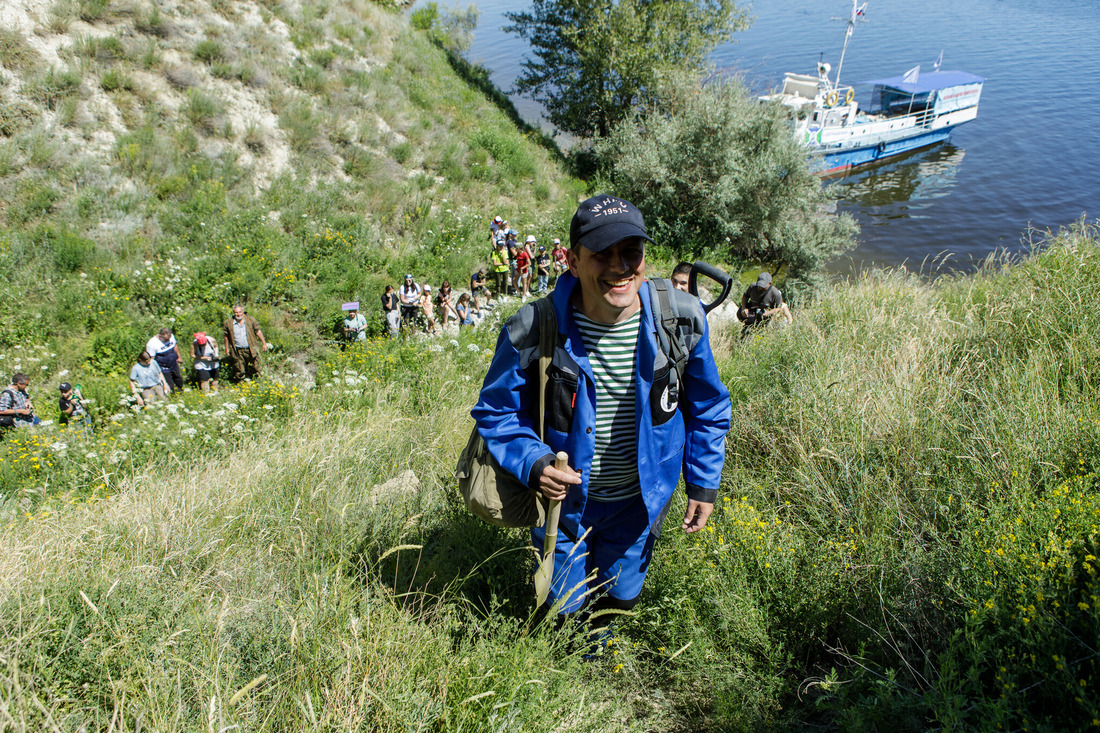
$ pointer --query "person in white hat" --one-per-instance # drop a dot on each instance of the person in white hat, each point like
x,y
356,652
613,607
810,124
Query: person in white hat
x,y
558,255
427,308
409,296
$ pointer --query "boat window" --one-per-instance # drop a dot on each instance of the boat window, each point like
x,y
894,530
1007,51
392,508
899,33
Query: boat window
x,y
890,101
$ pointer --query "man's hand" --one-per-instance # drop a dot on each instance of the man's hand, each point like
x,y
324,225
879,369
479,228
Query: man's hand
x,y
554,484
698,512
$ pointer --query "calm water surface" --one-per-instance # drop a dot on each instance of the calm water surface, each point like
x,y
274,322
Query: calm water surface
x,y
1030,160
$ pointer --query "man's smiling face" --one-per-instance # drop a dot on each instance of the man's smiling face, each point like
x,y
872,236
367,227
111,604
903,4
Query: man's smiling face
x,y
609,280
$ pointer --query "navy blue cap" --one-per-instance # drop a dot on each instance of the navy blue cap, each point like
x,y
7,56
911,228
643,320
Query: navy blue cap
x,y
603,221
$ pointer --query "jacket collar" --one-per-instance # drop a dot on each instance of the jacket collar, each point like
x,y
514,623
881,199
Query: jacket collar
x,y
563,292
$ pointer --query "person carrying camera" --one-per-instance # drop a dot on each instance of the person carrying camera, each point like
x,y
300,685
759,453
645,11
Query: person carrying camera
x,y
761,301
71,403
16,410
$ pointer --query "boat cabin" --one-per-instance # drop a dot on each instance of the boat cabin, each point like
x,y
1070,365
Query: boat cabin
x,y
938,91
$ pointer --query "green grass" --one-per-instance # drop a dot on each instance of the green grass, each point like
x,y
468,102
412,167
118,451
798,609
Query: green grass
x,y
909,539
906,536
15,53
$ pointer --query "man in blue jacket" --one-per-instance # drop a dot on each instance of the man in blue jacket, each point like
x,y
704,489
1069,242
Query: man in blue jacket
x,y
615,404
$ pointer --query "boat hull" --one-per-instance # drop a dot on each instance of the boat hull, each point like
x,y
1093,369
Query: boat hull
x,y
833,163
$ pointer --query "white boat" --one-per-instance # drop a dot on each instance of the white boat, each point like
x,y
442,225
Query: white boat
x,y
906,112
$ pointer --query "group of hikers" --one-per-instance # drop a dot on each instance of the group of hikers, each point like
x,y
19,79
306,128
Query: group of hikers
x,y
518,270
515,265
636,400
159,368
157,372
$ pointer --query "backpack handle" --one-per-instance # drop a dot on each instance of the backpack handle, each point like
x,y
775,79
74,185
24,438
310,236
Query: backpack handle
x,y
714,274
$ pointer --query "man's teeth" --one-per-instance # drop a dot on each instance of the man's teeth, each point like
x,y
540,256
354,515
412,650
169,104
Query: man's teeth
x,y
617,283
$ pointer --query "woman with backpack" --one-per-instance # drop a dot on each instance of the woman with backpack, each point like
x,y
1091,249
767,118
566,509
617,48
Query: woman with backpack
x,y
204,351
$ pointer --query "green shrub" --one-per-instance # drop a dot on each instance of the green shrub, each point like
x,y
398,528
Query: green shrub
x,y
53,86
512,159
303,127
115,80
322,57
15,53
202,110
15,117
104,50
424,17
401,152
209,52
153,23
93,10
114,350
70,252
61,15
33,199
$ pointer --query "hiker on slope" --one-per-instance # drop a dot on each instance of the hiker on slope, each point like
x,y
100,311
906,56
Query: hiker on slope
x,y
615,405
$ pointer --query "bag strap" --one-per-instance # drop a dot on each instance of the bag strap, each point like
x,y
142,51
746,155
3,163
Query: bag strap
x,y
667,320
548,340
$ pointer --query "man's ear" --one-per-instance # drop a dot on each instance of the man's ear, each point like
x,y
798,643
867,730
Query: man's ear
x,y
572,262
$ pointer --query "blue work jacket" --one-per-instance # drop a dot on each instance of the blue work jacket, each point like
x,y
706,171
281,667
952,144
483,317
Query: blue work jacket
x,y
678,426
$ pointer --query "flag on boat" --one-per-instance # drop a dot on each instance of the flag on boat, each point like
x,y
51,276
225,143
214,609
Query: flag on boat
x,y
857,15
936,66
912,75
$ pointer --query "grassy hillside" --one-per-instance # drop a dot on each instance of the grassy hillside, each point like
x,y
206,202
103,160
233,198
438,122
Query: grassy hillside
x,y
159,162
909,526
907,537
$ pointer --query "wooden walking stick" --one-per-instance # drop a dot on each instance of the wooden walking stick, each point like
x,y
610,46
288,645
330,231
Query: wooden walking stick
x,y
545,572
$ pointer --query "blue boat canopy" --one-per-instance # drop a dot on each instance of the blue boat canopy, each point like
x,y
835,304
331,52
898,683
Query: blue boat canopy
x,y
928,81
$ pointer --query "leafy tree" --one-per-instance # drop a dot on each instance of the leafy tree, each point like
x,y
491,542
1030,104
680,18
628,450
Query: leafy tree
x,y
593,62
714,171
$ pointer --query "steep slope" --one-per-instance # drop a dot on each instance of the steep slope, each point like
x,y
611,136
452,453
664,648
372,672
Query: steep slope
x,y
282,154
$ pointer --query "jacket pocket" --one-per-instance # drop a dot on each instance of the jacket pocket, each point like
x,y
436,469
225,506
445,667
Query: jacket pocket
x,y
561,391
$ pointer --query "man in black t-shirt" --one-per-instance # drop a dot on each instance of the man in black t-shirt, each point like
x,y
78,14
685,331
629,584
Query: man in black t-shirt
x,y
72,405
760,302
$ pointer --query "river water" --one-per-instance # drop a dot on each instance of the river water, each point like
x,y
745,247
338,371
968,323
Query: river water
x,y
1028,162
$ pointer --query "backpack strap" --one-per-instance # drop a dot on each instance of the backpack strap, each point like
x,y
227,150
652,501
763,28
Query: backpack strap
x,y
548,340
666,317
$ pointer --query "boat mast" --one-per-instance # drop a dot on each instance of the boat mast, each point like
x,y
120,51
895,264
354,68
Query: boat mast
x,y
856,16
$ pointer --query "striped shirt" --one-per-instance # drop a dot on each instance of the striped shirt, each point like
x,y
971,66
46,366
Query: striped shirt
x,y
611,351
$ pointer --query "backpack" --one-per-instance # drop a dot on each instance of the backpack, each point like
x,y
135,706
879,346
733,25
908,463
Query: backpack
x,y
489,491
497,496
8,421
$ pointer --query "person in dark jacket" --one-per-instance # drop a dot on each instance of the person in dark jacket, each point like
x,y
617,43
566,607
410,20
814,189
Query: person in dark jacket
x,y
615,406
244,341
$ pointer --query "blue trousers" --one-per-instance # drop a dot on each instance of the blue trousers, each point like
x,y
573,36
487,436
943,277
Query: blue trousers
x,y
615,551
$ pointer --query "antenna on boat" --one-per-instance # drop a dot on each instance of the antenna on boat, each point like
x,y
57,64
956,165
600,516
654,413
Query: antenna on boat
x,y
856,16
